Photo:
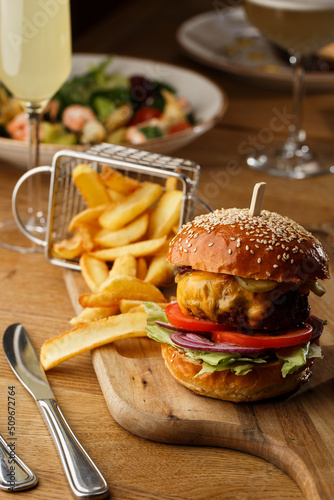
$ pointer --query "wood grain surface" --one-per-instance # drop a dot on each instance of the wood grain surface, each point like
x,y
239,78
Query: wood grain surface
x,y
293,432
34,292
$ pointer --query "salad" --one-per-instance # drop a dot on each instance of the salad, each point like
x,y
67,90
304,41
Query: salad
x,y
100,107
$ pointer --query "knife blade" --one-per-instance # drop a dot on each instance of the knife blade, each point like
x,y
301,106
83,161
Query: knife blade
x,y
85,479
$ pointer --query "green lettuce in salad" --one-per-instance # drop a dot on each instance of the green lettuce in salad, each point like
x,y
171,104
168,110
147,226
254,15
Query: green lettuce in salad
x,y
292,358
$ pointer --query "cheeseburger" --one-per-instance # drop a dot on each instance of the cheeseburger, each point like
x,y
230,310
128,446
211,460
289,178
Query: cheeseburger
x,y
242,328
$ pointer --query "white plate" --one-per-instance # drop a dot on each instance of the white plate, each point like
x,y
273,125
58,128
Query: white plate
x,y
225,40
209,103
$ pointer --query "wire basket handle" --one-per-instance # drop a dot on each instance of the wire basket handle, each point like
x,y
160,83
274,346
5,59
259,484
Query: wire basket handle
x,y
17,218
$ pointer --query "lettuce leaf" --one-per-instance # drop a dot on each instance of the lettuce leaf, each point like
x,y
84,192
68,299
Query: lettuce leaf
x,y
292,357
296,357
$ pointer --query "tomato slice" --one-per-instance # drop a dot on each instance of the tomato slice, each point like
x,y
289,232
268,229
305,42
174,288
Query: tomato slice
x,y
293,337
178,319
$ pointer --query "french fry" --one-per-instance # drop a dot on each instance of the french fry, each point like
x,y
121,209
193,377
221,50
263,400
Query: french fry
x,y
92,189
166,214
87,233
122,287
115,197
171,183
117,181
87,215
68,248
91,314
124,265
129,233
94,271
141,268
159,272
139,249
86,337
133,206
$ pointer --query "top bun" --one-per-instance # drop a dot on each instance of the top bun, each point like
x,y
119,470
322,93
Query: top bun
x,y
267,246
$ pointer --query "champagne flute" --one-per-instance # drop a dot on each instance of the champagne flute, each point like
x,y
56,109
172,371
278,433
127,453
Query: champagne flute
x,y
35,60
301,27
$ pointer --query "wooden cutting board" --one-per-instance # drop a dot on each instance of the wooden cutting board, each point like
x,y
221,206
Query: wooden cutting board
x,y
296,433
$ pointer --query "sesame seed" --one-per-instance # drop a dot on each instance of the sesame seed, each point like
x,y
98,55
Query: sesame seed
x,y
259,260
247,247
252,252
195,249
275,266
229,251
268,273
185,250
210,244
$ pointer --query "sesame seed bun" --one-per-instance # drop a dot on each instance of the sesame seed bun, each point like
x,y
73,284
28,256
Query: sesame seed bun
x,y
262,382
268,246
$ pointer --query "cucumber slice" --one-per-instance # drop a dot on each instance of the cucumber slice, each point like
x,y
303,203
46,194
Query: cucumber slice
x,y
317,288
256,286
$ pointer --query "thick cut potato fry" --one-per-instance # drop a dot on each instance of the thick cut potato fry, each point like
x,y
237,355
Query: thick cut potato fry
x,y
129,233
141,268
171,183
94,271
166,215
139,249
122,287
133,206
116,197
117,181
124,265
87,233
160,272
86,337
91,314
88,215
69,248
92,189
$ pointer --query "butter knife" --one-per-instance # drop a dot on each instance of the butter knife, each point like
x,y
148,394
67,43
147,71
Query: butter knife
x,y
84,478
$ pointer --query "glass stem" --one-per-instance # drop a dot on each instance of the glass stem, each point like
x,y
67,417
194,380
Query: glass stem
x,y
34,182
296,131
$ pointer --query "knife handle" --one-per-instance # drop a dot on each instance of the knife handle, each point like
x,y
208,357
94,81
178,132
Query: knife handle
x,y
85,480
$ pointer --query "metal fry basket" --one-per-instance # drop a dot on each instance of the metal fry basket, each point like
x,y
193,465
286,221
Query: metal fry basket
x,y
65,200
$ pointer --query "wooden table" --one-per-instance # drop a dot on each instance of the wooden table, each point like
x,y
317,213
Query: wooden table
x,y
34,293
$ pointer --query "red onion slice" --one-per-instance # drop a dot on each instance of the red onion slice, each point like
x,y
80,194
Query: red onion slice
x,y
200,343
317,326
177,328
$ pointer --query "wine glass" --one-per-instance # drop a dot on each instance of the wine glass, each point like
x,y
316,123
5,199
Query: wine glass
x,y
35,60
301,27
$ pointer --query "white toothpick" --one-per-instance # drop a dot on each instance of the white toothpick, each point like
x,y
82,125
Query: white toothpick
x,y
257,198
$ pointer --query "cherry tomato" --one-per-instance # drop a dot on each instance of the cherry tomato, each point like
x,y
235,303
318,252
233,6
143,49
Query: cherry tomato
x,y
292,337
177,318
145,114
179,127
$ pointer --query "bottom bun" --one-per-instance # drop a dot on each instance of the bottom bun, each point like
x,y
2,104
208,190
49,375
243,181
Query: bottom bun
x,y
262,382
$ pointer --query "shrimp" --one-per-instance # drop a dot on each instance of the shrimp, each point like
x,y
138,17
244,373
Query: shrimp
x,y
18,128
76,116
